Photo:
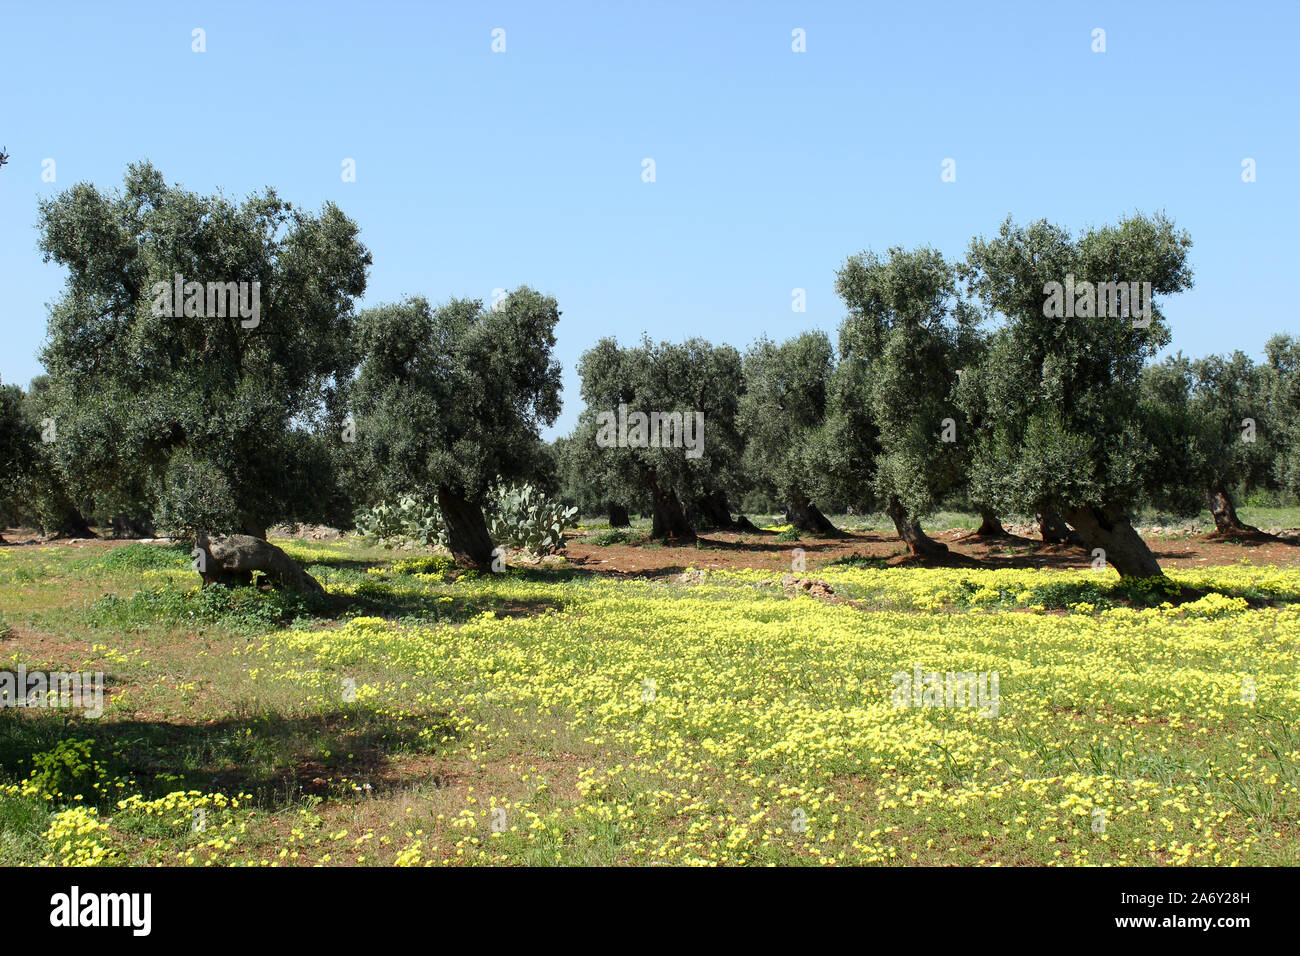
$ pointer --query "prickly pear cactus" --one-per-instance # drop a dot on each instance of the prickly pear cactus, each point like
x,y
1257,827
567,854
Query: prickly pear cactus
x,y
523,518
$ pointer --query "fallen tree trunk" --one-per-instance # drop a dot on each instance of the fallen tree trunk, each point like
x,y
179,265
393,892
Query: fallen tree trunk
x,y
232,559
1122,547
467,532
909,529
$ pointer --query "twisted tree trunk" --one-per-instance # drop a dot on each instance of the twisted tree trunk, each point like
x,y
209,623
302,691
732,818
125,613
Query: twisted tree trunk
x,y
713,510
1122,547
1226,521
909,529
73,525
467,533
618,516
806,516
990,525
1054,530
133,526
669,522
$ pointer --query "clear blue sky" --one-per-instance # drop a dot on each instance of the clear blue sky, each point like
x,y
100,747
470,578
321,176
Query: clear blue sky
x,y
478,170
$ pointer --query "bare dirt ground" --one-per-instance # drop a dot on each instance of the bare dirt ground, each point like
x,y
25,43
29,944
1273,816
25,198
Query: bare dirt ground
x,y
763,551
729,550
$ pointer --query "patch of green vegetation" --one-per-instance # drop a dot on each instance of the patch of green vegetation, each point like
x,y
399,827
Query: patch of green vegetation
x,y
145,557
241,608
438,564
23,819
604,539
67,771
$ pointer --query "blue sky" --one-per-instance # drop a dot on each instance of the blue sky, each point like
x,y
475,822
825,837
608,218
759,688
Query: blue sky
x,y
479,170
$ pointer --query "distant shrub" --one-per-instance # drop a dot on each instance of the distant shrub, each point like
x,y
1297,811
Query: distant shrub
x,y
610,536
146,557
859,561
518,516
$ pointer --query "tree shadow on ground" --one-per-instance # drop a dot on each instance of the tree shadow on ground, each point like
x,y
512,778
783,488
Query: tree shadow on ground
x,y
811,543
276,759
431,607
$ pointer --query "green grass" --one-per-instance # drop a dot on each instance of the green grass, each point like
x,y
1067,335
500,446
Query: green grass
x,y
603,721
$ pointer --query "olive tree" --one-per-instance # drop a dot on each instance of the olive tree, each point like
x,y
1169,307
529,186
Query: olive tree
x,y
449,398
783,406
1281,389
1063,381
907,334
17,448
1235,442
195,339
660,423
977,430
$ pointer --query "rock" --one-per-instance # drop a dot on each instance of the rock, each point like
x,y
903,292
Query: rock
x,y
232,559
814,586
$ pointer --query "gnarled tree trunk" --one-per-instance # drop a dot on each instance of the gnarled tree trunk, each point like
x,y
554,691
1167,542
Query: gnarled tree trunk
x,y
132,526
232,559
1225,515
669,522
990,525
806,516
909,529
73,525
1054,530
467,532
713,510
618,516
1122,547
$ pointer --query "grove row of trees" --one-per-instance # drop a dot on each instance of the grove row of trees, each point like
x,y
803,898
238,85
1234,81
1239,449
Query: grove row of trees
x,y
952,381
949,380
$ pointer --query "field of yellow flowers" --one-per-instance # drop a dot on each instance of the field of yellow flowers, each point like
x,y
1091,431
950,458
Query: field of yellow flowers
x,y
551,716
